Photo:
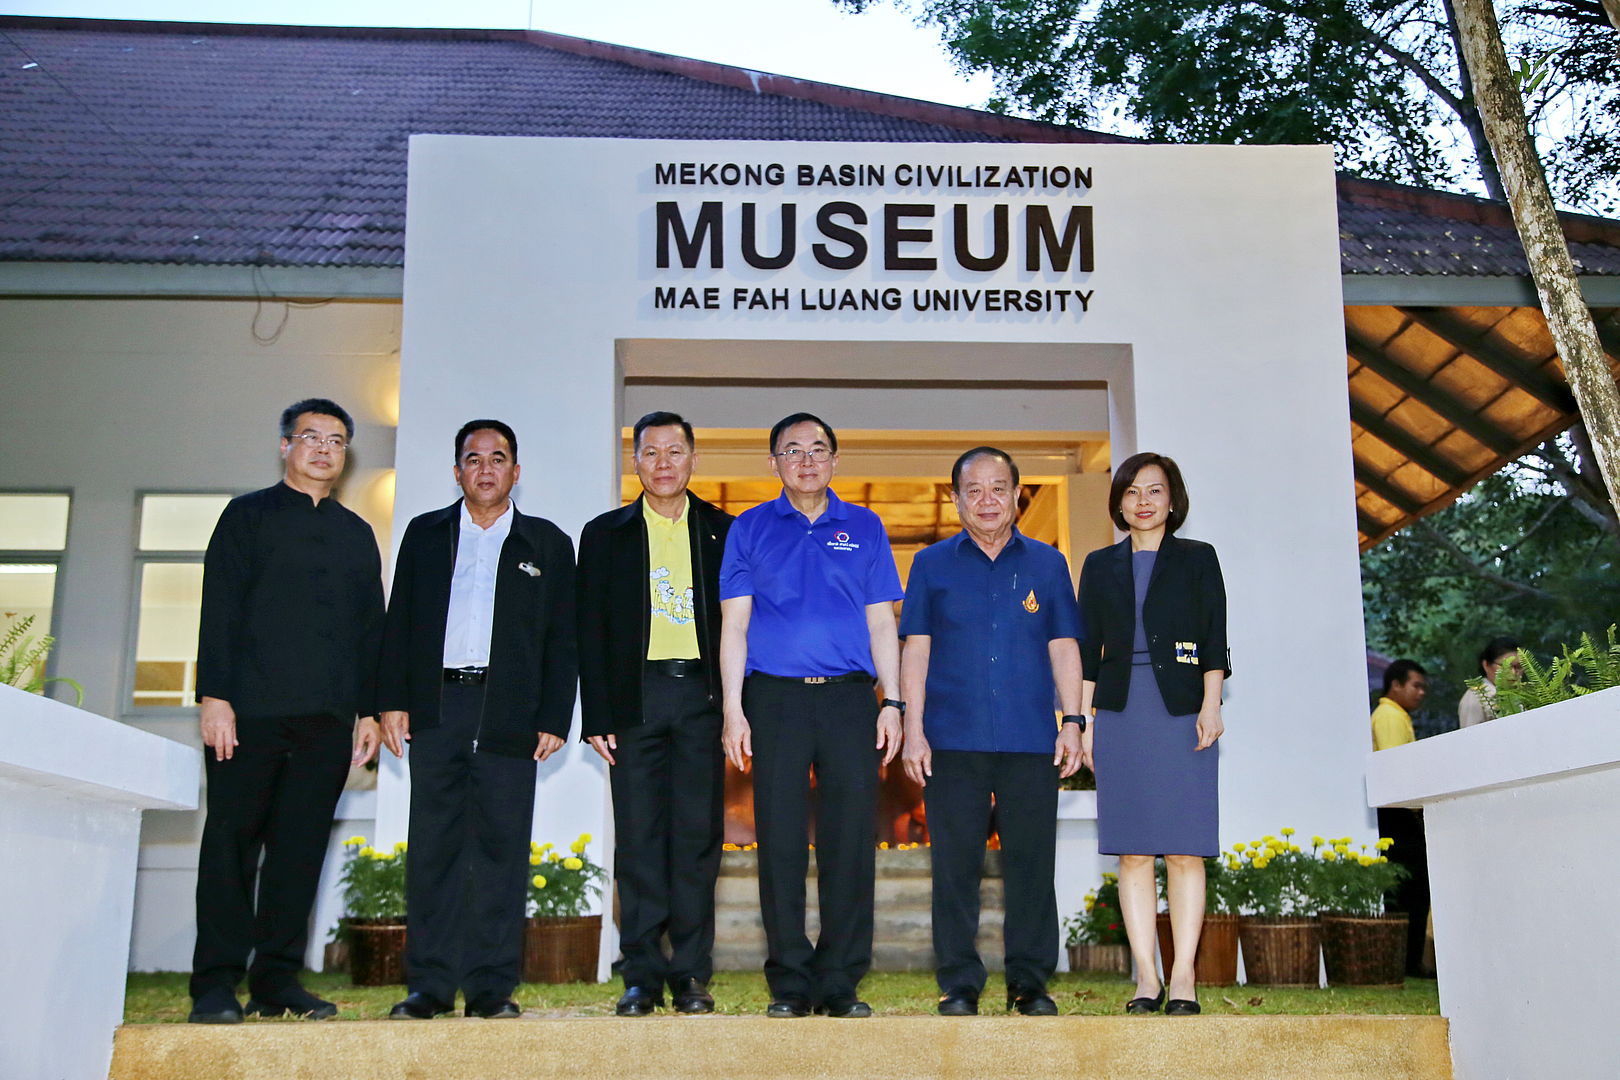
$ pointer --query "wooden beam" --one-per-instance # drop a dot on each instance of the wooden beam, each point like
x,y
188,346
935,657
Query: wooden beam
x,y
1384,489
1421,390
1407,446
1522,373
1370,526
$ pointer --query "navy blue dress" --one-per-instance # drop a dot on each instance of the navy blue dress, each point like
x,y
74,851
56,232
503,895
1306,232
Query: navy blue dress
x,y
1156,795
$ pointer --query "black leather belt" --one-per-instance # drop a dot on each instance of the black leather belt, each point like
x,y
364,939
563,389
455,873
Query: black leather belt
x,y
466,676
676,669
818,680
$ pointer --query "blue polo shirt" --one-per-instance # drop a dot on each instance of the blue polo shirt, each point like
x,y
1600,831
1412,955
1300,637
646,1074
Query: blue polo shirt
x,y
811,583
989,672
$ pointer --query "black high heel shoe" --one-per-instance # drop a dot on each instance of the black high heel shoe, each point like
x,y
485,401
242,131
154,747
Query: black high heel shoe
x,y
1143,1006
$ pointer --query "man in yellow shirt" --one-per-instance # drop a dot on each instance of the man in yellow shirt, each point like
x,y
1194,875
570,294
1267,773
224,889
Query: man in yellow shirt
x,y
1406,684
649,633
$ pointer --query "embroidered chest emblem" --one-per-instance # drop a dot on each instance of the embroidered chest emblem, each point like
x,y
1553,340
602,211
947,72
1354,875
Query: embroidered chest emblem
x,y
1031,604
1186,652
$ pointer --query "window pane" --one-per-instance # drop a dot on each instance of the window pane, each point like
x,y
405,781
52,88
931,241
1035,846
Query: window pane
x,y
33,522
179,522
27,589
166,642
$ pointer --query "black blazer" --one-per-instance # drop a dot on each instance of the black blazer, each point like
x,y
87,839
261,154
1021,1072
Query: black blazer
x,y
615,607
1185,613
533,657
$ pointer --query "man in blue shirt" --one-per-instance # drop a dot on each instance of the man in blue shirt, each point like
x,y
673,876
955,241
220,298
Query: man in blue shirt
x,y
990,625
807,591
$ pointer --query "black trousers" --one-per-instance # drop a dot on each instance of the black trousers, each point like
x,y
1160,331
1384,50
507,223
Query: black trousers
x,y
274,796
668,803
1411,850
830,727
958,798
465,895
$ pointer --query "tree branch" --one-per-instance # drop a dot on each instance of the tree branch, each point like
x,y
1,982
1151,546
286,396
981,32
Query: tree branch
x,y
1423,528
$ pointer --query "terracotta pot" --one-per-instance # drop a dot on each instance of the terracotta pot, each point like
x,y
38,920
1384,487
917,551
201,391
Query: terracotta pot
x,y
376,951
557,950
1282,952
1364,950
1115,959
1216,962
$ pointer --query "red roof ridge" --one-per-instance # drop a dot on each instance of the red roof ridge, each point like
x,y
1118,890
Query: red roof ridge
x,y
1361,191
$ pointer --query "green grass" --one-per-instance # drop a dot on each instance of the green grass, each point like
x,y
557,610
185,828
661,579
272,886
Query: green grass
x,y
161,998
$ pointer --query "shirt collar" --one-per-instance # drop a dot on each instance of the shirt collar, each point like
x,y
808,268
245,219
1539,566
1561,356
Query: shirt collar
x,y
653,517
965,544
837,509
502,524
1392,704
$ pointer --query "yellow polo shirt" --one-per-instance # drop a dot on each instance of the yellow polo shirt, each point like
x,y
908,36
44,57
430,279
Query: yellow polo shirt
x,y
1391,725
672,633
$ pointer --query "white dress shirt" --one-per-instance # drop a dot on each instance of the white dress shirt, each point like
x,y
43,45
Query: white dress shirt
x,y
472,590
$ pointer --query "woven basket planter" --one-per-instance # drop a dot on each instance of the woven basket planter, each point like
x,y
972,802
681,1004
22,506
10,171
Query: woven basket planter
x,y
1113,959
1364,950
376,951
1216,962
558,950
1281,952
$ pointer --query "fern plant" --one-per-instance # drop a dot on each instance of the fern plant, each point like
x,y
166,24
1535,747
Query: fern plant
x,y
1585,669
22,660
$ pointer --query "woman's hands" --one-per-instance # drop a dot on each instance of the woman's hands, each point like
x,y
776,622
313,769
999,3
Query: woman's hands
x,y
1210,727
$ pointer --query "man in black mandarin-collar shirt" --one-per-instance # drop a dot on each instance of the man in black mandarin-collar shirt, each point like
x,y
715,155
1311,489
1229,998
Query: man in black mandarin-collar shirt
x,y
291,621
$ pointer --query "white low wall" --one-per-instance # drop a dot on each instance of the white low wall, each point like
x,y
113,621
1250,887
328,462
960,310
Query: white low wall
x,y
1520,815
72,788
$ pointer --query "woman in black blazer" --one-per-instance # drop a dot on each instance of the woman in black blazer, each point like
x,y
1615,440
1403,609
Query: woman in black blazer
x,y
1153,647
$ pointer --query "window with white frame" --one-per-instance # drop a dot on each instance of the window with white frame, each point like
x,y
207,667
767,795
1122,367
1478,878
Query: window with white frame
x,y
174,532
33,536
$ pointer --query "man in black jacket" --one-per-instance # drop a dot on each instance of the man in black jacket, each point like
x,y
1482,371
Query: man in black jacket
x,y
478,673
291,616
649,631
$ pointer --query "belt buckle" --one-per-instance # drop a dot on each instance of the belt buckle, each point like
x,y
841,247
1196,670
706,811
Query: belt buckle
x,y
815,680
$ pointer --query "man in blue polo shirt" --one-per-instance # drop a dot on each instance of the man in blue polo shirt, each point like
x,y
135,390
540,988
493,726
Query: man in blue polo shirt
x,y
807,591
990,625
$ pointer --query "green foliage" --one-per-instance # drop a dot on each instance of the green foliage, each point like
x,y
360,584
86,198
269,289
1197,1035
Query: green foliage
x,y
562,886
373,881
1346,882
22,660
1586,668
1100,922
1516,555
1379,79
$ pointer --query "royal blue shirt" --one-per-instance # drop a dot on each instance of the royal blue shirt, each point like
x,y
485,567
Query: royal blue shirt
x,y
989,672
811,584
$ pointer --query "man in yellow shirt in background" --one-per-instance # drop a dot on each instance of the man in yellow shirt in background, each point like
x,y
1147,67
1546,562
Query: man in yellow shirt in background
x,y
1406,684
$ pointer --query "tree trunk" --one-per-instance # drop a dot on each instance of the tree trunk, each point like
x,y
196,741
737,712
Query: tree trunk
x,y
1496,92
1469,112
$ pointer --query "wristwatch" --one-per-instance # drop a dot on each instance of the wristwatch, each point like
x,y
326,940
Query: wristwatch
x,y
889,701
1070,718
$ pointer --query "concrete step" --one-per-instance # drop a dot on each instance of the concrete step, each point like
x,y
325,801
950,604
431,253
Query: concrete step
x,y
755,1048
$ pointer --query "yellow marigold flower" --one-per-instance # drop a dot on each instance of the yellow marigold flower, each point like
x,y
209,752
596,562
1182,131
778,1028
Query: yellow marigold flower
x,y
368,852
355,841
534,845
1233,864
547,846
1261,863
1287,830
1364,860
1293,847
539,881
1239,846
1267,839
883,845
399,846
577,847
1329,855
1317,841
1109,876
553,857
573,864
535,858
1347,840
586,838
1382,858
1384,843
728,847
383,856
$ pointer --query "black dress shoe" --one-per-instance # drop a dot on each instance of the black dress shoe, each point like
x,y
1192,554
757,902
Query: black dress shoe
x,y
787,1008
493,1008
1031,1000
215,1007
1142,1006
638,1001
418,1006
292,999
845,1007
959,1001
1182,1007
692,996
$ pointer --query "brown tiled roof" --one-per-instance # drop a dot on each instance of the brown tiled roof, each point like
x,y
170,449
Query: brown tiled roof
x,y
285,146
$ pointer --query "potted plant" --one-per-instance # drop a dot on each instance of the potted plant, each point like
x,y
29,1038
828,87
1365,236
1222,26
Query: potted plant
x,y
22,660
373,926
1279,932
1096,934
1361,945
561,942
1215,963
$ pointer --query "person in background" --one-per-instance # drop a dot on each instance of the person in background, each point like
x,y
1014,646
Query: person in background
x,y
1478,706
1406,684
